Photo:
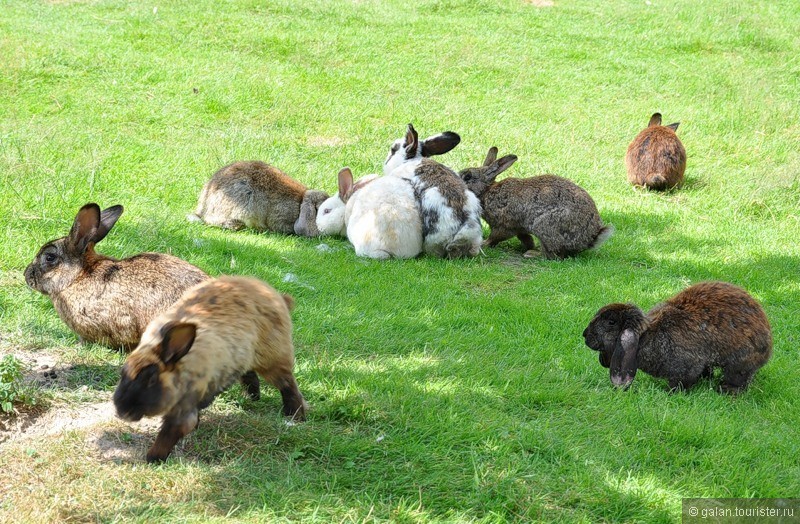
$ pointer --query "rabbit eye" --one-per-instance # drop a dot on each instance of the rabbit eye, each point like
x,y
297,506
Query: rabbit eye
x,y
50,258
326,211
612,322
467,178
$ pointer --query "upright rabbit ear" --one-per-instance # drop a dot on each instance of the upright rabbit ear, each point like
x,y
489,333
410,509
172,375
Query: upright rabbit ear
x,y
108,218
655,120
84,228
491,157
177,339
345,183
624,361
411,142
499,166
674,126
439,144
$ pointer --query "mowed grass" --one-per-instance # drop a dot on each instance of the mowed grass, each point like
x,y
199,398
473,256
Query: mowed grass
x,y
440,390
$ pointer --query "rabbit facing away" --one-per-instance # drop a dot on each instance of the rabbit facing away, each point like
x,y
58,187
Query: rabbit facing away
x,y
451,213
221,331
259,196
707,325
656,158
382,218
331,213
100,298
555,210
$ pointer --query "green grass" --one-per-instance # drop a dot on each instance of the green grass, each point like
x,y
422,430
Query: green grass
x,y
440,390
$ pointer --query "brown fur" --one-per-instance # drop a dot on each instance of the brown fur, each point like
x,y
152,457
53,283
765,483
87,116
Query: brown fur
x,y
707,325
241,325
100,298
259,196
656,158
561,214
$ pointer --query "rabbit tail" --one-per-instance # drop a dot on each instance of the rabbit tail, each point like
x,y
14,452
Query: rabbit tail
x,y
602,235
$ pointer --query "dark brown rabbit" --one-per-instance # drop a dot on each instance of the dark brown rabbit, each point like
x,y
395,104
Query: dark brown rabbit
x,y
259,196
656,158
100,298
220,331
555,210
707,325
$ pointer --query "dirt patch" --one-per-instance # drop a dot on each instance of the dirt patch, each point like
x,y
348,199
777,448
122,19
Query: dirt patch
x,y
541,3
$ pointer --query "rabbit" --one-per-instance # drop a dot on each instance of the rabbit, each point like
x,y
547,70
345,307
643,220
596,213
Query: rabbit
x,y
382,218
557,211
656,158
707,325
222,330
409,151
451,213
100,298
330,216
259,196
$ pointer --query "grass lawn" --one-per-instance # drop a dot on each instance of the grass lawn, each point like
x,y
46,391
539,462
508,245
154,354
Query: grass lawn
x,y
441,391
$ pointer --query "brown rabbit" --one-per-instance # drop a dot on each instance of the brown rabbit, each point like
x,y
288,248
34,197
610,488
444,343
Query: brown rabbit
x,y
555,210
260,196
100,298
707,325
220,331
656,158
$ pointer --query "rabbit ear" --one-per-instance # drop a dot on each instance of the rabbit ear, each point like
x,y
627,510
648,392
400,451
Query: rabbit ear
x,y
491,157
108,218
624,360
84,228
440,144
499,166
674,126
177,340
411,142
655,120
345,183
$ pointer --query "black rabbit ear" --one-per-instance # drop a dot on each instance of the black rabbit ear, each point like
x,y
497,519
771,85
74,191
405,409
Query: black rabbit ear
x,y
655,120
108,218
411,143
84,228
345,183
177,340
440,144
674,126
491,156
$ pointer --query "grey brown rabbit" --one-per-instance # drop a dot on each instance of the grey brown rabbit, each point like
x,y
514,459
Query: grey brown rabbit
x,y
259,196
100,298
555,210
656,158
707,325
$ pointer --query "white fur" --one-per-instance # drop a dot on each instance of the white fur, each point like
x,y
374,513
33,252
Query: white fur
x,y
383,220
331,214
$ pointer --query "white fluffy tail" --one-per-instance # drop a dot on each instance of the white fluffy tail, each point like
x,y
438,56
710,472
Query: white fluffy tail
x,y
604,234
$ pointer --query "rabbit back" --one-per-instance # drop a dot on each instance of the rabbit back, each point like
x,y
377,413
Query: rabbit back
x,y
656,159
251,194
116,299
450,211
706,325
561,214
383,220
